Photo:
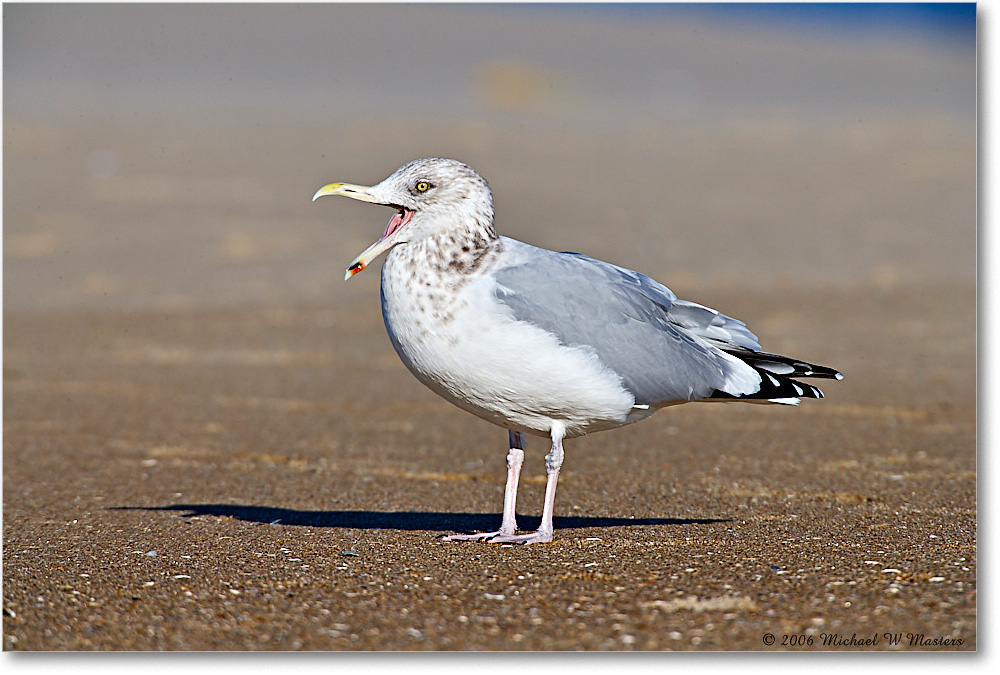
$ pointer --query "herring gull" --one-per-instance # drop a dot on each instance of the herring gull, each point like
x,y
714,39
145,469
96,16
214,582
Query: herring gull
x,y
552,344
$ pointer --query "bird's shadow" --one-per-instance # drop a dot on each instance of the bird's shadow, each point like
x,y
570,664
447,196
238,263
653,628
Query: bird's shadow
x,y
401,520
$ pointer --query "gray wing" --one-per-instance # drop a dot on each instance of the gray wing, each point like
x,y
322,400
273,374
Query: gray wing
x,y
664,348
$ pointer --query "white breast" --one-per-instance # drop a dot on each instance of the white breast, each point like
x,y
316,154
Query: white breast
x,y
457,339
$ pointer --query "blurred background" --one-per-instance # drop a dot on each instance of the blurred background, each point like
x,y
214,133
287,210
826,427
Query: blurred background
x,y
182,355
164,156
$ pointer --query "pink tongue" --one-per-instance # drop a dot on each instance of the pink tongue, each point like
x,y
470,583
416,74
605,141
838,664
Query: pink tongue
x,y
396,222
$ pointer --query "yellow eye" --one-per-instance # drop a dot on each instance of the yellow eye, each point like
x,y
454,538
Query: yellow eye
x,y
422,186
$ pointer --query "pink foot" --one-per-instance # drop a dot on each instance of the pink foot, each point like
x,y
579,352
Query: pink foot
x,y
538,537
478,536
502,537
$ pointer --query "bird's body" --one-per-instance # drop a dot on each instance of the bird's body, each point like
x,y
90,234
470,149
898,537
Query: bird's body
x,y
540,342
458,337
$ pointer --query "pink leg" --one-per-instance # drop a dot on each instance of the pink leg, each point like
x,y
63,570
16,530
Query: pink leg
x,y
509,524
553,461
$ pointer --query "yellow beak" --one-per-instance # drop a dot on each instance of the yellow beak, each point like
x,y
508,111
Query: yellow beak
x,y
387,241
359,192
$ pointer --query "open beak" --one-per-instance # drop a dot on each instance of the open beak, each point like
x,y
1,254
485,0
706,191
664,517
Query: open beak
x,y
388,239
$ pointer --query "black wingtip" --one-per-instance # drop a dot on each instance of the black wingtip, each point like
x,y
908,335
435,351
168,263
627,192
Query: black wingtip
x,y
776,373
822,371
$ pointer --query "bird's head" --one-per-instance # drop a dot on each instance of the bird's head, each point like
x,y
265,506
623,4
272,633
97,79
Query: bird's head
x,y
429,195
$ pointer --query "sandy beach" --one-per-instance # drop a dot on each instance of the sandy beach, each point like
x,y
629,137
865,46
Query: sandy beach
x,y
209,443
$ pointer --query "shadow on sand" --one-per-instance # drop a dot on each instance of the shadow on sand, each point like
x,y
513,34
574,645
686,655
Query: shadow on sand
x,y
401,520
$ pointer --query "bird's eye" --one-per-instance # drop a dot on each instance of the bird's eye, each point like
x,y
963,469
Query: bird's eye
x,y
422,186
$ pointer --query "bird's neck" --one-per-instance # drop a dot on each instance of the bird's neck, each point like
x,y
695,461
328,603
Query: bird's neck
x,y
455,251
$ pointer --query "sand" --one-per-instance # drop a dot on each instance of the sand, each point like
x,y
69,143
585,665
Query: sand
x,y
210,445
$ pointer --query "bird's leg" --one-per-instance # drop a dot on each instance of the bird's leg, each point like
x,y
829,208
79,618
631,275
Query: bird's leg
x,y
508,525
514,460
553,461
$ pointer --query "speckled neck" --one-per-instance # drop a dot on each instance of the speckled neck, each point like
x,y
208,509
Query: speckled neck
x,y
454,253
422,283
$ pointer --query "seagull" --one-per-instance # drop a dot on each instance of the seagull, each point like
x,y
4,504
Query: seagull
x,y
551,344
